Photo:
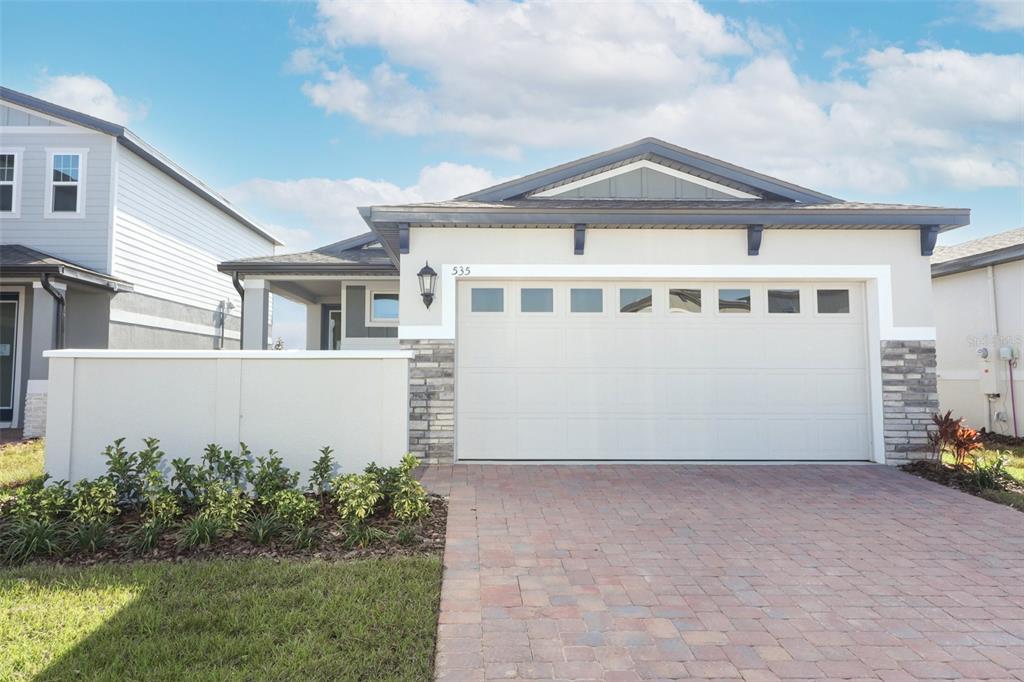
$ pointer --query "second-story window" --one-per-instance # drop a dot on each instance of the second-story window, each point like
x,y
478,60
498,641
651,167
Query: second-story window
x,y
67,175
8,182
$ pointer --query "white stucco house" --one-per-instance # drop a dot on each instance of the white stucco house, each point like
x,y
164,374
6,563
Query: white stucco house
x,y
979,316
104,243
647,303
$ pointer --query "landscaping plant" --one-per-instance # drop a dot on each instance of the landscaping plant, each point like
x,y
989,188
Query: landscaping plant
x,y
320,475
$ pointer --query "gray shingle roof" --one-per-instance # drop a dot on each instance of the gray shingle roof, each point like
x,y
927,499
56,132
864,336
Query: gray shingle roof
x,y
22,261
975,247
363,253
994,249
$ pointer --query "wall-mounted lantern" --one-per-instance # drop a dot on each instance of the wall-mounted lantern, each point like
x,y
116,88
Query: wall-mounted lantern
x,y
428,278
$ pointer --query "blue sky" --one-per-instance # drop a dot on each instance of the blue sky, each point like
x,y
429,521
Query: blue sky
x,y
298,111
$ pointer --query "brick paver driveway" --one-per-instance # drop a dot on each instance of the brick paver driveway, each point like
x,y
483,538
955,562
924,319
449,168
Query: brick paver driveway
x,y
732,572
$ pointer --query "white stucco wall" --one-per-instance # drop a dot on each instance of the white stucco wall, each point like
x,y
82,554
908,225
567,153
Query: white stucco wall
x,y
898,250
966,320
294,402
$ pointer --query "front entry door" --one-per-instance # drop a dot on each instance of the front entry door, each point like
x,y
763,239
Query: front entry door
x,y
8,353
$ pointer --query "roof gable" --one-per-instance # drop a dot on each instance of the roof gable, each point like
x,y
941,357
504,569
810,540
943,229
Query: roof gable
x,y
659,151
644,179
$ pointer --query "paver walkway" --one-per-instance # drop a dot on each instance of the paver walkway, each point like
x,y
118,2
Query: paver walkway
x,y
730,572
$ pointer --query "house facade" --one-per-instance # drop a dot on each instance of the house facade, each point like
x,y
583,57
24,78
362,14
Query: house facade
x,y
979,317
647,303
104,243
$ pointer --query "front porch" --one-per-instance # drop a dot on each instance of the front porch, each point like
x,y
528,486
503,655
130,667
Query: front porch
x,y
349,290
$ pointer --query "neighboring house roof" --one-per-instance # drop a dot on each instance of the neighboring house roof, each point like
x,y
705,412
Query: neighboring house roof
x,y
978,253
361,255
758,200
21,261
134,143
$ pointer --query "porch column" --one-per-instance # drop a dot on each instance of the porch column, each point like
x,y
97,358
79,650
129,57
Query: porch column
x,y
255,315
42,337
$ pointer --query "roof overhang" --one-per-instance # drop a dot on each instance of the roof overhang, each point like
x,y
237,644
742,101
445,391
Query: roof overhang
x,y
385,220
308,269
66,273
979,260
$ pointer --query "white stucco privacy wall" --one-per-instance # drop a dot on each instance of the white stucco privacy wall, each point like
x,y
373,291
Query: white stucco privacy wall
x,y
294,402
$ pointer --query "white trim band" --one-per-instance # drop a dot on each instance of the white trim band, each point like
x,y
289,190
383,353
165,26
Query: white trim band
x,y
102,354
143,320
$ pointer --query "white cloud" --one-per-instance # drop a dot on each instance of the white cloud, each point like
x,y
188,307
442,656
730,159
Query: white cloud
x,y
1001,15
327,207
509,75
92,96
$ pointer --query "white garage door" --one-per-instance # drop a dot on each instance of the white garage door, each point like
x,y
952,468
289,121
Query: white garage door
x,y
613,370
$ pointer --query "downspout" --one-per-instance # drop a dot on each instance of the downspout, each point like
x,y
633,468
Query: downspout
x,y
993,317
59,298
241,312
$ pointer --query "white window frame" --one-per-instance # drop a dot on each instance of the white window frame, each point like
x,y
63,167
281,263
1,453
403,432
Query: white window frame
x,y
340,324
83,155
585,287
370,293
18,154
554,300
488,285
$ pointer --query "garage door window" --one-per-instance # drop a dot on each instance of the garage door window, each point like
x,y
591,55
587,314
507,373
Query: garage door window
x,y
586,301
833,301
734,300
536,301
684,300
487,300
634,300
783,301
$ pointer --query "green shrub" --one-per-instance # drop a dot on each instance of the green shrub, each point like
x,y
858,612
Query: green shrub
x,y
146,535
43,502
89,536
388,479
225,505
271,476
228,467
989,474
293,508
409,462
308,537
360,534
320,475
406,536
262,528
130,470
199,530
409,502
25,538
188,480
356,497
94,501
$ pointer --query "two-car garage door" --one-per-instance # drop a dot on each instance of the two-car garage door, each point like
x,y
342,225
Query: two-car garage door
x,y
614,370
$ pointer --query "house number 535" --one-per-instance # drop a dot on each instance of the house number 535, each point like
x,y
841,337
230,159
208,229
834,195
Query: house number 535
x,y
460,270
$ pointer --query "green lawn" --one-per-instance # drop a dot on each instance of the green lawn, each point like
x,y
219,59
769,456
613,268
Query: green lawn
x,y
20,463
221,620
1015,460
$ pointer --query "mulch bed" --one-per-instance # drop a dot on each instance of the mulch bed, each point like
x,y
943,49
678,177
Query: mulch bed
x,y
999,440
960,478
429,540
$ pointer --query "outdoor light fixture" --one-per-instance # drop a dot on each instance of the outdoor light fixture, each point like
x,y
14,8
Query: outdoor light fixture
x,y
427,280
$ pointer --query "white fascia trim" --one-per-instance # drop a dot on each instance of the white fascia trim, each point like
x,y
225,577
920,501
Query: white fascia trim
x,y
650,165
880,274
232,354
143,320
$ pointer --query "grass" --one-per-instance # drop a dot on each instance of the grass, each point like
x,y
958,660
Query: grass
x,y
1014,455
20,463
223,620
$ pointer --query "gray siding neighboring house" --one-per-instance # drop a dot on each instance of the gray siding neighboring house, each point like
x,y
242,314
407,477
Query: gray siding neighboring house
x,y
135,263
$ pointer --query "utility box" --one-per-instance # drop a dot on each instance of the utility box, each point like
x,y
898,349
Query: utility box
x,y
987,378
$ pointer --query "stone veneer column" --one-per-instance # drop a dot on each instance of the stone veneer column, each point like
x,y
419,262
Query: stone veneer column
x,y
432,400
909,397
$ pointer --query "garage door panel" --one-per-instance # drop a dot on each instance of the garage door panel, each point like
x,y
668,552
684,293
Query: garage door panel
x,y
541,437
660,385
539,391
